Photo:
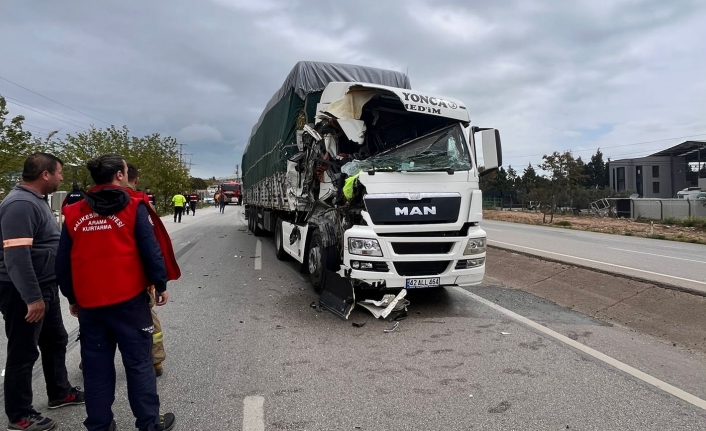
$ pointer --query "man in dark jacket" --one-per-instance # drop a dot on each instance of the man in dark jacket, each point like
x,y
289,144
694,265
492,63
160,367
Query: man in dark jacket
x,y
29,297
108,255
73,196
193,199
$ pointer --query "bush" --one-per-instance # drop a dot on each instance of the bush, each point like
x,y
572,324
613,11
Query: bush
x,y
563,223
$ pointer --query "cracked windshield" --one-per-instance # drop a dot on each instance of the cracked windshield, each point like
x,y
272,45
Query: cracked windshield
x,y
442,150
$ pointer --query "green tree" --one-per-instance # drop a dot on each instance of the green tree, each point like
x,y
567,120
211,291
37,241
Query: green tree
x,y
156,157
15,145
198,184
512,178
596,171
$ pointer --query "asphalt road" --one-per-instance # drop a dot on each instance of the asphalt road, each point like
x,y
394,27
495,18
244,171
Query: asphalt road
x,y
246,351
669,262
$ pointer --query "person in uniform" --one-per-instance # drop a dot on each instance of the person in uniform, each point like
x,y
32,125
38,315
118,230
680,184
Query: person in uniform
x,y
108,256
179,201
193,199
158,354
75,195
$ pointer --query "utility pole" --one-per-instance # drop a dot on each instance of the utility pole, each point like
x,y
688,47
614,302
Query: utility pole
x,y
237,173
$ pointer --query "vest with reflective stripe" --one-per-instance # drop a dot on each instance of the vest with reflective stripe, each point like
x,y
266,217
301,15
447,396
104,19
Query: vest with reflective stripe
x,y
105,262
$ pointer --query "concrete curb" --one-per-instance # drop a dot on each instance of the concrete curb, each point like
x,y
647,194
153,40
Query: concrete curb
x,y
602,271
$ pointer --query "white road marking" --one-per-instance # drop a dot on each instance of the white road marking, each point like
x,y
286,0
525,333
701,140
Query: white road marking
x,y
253,413
659,255
602,263
666,387
258,255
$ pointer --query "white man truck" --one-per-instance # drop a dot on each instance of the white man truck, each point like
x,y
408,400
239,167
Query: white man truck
x,y
367,183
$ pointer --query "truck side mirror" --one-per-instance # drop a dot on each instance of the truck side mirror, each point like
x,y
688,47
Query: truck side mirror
x,y
492,151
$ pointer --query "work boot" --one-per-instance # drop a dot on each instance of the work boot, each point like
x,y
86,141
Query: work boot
x,y
166,422
158,369
74,397
32,422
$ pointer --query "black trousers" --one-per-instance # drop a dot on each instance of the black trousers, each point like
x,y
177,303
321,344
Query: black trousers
x,y
127,326
192,204
177,212
23,338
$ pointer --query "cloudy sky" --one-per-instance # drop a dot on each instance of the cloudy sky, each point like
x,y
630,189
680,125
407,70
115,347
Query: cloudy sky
x,y
551,75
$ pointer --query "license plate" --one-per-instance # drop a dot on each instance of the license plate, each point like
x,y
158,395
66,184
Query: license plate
x,y
420,283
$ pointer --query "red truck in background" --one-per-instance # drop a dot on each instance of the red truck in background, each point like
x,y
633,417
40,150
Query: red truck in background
x,y
231,190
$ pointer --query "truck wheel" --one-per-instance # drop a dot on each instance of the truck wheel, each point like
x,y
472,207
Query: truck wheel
x,y
279,241
319,259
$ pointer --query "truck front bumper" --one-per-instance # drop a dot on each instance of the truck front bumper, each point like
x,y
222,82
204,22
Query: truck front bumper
x,y
406,258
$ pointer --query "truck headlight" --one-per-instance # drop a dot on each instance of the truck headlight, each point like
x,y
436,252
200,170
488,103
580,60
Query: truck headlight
x,y
364,247
474,246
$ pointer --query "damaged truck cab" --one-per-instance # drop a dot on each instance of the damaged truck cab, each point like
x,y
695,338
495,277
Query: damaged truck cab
x,y
367,183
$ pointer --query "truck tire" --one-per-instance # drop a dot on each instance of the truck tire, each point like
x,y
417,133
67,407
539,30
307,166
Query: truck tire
x,y
319,259
279,241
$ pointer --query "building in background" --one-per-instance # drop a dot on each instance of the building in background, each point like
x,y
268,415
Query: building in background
x,y
662,174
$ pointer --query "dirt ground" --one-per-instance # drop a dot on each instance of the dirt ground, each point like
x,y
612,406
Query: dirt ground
x,y
617,226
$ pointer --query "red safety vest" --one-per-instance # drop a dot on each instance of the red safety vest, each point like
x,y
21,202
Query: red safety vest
x,y
105,261
165,242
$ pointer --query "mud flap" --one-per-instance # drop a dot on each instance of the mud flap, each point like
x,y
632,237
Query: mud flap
x,y
337,296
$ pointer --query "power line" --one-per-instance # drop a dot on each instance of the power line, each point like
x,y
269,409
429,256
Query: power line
x,y
45,110
65,106
40,128
51,116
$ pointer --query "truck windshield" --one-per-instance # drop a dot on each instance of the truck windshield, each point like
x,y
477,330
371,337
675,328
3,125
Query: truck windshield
x,y
444,149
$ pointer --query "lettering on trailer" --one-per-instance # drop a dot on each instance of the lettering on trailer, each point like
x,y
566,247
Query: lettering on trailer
x,y
415,211
418,99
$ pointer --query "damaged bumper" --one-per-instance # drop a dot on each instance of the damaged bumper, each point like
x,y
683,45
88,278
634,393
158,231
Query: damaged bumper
x,y
414,262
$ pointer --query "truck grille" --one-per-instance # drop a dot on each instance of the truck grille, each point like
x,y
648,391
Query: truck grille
x,y
422,247
414,269
428,208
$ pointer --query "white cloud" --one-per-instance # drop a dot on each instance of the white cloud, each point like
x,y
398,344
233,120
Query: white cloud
x,y
195,133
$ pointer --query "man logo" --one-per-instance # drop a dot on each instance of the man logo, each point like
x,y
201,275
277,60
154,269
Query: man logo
x,y
415,211
414,196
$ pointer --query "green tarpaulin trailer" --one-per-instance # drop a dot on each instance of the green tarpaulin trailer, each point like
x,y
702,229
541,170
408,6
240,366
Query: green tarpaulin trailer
x,y
273,139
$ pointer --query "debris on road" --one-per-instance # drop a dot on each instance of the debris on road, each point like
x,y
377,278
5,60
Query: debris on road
x,y
393,328
359,325
505,333
386,305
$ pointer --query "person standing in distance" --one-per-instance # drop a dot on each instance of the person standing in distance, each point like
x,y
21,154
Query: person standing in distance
x,y
222,202
108,256
179,201
150,197
73,196
193,199
29,296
